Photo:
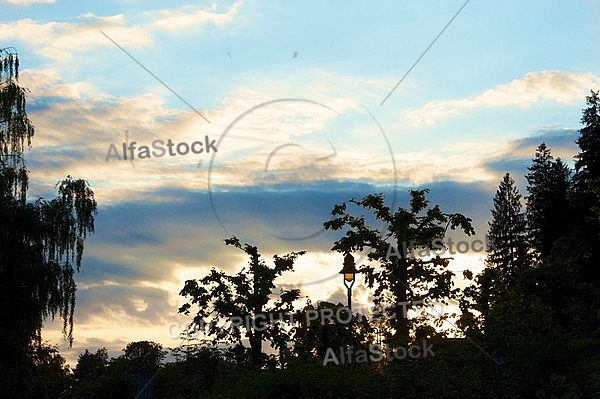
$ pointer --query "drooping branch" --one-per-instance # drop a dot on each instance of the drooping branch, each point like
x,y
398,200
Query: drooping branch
x,y
41,243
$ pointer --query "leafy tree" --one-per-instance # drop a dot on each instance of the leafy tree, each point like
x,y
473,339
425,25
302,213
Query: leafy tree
x,y
232,303
402,276
549,214
96,377
41,243
312,337
91,365
16,130
144,356
49,376
192,376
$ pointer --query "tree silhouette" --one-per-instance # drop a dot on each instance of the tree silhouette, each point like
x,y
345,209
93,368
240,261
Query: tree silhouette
x,y
506,259
401,276
91,365
49,377
41,242
232,303
508,233
548,210
535,310
144,356
587,162
586,192
313,337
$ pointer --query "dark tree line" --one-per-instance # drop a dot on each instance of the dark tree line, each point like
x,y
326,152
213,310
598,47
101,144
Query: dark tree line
x,y
535,306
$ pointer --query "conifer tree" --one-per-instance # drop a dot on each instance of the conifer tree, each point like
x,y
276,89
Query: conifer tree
x,y
507,257
586,190
587,164
508,233
549,215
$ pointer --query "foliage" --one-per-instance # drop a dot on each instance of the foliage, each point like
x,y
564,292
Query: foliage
x,y
404,277
507,258
144,356
194,375
540,325
508,233
313,337
90,365
235,301
49,376
450,374
16,130
585,195
95,379
587,162
549,214
41,242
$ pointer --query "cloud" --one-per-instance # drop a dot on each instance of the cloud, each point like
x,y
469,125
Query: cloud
x,y
190,17
57,40
48,83
273,144
459,163
75,124
559,139
556,86
27,2
276,148
517,154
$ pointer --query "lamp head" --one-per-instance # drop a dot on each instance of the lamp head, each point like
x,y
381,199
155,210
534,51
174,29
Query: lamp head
x,y
349,270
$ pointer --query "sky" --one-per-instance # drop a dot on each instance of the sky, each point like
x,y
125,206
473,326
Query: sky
x,y
276,112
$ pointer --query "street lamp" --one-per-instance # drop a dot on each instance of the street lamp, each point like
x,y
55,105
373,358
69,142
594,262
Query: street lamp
x,y
349,271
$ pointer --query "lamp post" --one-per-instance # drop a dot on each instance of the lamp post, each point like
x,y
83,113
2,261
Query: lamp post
x,y
349,271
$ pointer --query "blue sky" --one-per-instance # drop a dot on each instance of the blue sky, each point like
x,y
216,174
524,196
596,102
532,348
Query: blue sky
x,y
292,92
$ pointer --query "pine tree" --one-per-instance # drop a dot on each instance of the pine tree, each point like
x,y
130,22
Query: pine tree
x,y
508,234
507,257
587,164
586,191
549,215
